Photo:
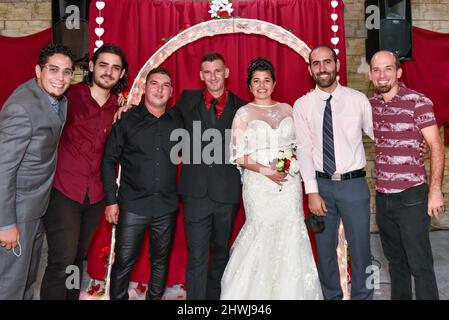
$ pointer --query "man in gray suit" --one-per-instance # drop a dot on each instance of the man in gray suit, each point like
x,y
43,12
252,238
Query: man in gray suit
x,y
31,122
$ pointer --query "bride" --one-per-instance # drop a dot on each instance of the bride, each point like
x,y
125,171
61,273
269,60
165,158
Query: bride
x,y
271,257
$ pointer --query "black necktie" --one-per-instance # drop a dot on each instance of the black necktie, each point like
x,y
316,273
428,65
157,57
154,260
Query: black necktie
x,y
328,140
213,111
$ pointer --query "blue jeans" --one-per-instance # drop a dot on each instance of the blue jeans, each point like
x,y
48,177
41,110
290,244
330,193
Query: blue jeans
x,y
404,232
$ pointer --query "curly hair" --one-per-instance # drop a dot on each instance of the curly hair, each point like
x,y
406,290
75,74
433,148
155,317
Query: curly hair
x,y
52,49
260,64
114,49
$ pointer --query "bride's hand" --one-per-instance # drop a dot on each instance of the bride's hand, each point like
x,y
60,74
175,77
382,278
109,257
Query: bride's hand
x,y
274,175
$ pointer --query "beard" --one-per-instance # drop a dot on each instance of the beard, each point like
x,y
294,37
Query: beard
x,y
104,82
383,89
325,83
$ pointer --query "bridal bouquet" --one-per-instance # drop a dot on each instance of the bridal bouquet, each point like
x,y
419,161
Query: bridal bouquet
x,y
286,162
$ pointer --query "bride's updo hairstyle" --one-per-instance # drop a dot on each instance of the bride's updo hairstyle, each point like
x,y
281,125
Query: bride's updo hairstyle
x,y
260,64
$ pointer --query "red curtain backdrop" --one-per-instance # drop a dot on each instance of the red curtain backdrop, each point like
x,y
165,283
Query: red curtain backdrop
x,y
18,59
428,72
138,27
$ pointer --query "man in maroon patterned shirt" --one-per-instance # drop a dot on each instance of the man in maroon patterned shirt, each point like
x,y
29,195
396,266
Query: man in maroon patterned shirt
x,y
77,197
405,200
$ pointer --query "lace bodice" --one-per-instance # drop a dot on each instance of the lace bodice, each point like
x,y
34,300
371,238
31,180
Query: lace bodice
x,y
261,131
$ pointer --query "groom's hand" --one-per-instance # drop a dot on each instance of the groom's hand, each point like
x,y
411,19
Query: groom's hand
x,y
317,206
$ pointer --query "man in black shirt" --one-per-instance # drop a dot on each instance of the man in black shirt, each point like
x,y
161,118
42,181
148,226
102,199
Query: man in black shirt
x,y
147,197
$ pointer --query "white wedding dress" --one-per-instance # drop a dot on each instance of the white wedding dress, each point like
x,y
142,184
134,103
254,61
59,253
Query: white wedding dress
x,y
271,258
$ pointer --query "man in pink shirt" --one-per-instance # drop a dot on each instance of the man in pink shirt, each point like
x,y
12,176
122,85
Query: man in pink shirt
x,y
329,123
402,119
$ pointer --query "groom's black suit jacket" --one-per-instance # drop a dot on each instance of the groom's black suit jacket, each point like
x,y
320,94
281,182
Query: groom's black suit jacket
x,y
220,181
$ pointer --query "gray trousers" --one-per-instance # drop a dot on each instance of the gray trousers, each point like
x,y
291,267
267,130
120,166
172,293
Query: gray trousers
x,y
18,274
350,201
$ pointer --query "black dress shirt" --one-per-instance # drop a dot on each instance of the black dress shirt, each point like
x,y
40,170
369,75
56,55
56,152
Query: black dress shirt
x,y
140,142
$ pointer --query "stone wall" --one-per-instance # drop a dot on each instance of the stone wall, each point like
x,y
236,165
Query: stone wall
x,y
20,18
24,17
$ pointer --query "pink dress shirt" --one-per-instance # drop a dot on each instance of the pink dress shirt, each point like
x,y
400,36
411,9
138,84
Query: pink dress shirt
x,y
351,114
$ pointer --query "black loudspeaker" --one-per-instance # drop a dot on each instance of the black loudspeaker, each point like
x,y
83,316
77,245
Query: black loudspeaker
x,y
70,21
389,27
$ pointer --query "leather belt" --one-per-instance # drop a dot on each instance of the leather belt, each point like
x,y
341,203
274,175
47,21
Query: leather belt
x,y
344,176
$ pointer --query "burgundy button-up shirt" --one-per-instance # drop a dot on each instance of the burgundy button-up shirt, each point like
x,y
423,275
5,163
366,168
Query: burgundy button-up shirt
x,y
81,147
221,103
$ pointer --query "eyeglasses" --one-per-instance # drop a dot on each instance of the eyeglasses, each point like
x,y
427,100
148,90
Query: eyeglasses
x,y
54,71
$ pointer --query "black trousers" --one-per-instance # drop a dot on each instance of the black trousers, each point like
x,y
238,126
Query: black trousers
x,y
70,227
404,232
208,225
129,238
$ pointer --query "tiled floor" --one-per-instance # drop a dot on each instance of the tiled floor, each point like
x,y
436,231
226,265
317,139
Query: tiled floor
x,y
440,245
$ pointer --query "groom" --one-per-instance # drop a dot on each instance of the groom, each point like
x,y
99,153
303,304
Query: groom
x,y
210,191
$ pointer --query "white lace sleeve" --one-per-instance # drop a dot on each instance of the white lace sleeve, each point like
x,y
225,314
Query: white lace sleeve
x,y
240,135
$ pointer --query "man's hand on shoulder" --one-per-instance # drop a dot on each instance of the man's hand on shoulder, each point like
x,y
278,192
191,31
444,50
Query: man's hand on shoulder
x,y
118,115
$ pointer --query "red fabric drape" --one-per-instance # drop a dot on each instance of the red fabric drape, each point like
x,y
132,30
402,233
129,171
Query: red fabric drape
x,y
138,27
18,59
428,72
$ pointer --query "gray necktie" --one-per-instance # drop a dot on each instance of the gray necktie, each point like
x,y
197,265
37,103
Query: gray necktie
x,y
328,140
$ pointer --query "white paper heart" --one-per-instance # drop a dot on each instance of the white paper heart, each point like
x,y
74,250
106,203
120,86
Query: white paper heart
x,y
95,49
336,51
98,43
334,16
100,5
334,28
99,31
335,40
334,4
99,20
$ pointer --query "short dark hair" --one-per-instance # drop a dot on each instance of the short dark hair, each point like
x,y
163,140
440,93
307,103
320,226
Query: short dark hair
x,y
397,62
159,69
212,56
114,49
52,49
260,64
334,54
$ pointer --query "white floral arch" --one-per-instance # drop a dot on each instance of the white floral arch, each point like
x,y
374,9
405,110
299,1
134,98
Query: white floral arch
x,y
211,28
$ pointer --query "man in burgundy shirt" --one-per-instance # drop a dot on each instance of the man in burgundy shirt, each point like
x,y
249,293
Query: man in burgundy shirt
x,y
405,201
77,198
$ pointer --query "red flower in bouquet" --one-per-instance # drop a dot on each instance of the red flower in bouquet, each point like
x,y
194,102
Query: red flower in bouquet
x,y
284,162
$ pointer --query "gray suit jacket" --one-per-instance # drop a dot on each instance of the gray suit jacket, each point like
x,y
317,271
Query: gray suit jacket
x,y
29,135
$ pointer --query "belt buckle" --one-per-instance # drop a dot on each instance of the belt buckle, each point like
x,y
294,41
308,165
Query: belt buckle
x,y
336,177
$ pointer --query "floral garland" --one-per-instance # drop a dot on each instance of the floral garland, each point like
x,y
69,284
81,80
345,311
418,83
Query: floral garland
x,y
220,9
